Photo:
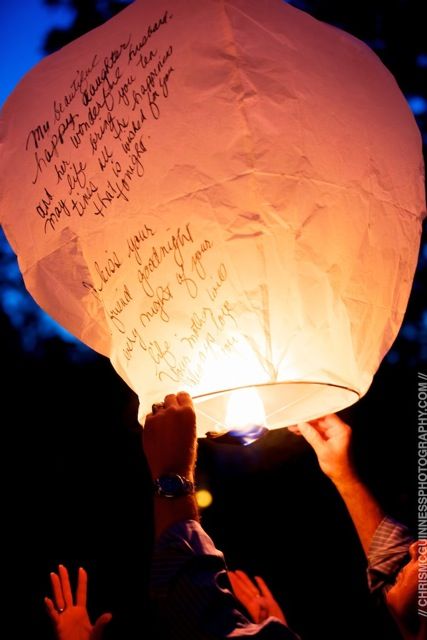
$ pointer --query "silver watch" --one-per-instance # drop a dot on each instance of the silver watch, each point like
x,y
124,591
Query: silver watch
x,y
172,485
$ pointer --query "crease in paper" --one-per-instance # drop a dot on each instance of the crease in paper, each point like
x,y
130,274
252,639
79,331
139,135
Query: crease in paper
x,y
218,195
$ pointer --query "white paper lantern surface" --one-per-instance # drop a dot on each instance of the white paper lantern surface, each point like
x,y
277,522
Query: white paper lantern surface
x,y
217,195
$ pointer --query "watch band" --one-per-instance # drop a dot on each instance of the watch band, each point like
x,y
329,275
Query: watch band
x,y
173,485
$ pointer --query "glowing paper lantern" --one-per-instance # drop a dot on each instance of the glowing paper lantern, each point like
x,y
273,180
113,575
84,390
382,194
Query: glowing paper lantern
x,y
217,195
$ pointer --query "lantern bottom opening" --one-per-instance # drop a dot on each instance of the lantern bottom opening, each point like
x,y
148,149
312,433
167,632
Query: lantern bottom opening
x,y
285,403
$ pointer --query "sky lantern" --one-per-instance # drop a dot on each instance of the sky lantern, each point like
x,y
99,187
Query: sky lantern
x,y
219,196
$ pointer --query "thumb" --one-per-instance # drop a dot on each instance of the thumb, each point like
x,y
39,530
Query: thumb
x,y
263,588
311,434
99,625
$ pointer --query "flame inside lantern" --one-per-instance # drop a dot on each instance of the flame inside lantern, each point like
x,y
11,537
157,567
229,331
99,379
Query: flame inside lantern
x,y
245,420
244,410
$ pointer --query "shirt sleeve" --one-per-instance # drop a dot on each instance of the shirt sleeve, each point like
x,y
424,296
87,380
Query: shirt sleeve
x,y
388,553
191,594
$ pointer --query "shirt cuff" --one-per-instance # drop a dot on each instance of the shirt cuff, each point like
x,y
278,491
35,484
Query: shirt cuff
x,y
188,586
388,553
175,547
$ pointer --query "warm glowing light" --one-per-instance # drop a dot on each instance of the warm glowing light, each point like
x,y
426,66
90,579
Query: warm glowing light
x,y
245,410
274,252
203,498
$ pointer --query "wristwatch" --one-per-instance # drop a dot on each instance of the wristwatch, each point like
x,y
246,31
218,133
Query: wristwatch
x,y
172,485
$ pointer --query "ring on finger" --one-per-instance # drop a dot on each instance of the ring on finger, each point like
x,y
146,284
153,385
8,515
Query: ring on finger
x,y
156,407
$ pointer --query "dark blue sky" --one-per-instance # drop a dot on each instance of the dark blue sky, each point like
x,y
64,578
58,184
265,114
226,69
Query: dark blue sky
x,y
24,26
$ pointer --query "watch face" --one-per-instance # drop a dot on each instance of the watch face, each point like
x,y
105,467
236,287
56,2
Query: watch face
x,y
172,485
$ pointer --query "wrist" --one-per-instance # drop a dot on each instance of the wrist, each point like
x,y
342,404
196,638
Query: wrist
x,y
346,479
170,511
343,473
164,470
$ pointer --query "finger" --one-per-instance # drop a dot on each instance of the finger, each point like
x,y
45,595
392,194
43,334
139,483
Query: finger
x,y
240,593
311,434
170,401
332,421
238,586
322,427
52,612
152,419
57,591
263,587
246,586
98,628
238,577
332,418
81,591
294,429
184,399
65,584
247,582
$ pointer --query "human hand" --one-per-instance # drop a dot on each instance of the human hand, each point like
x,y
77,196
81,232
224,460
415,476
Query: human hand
x,y
256,598
330,438
169,437
71,619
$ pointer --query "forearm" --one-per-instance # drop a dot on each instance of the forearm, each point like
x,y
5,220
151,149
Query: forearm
x,y
168,511
362,506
